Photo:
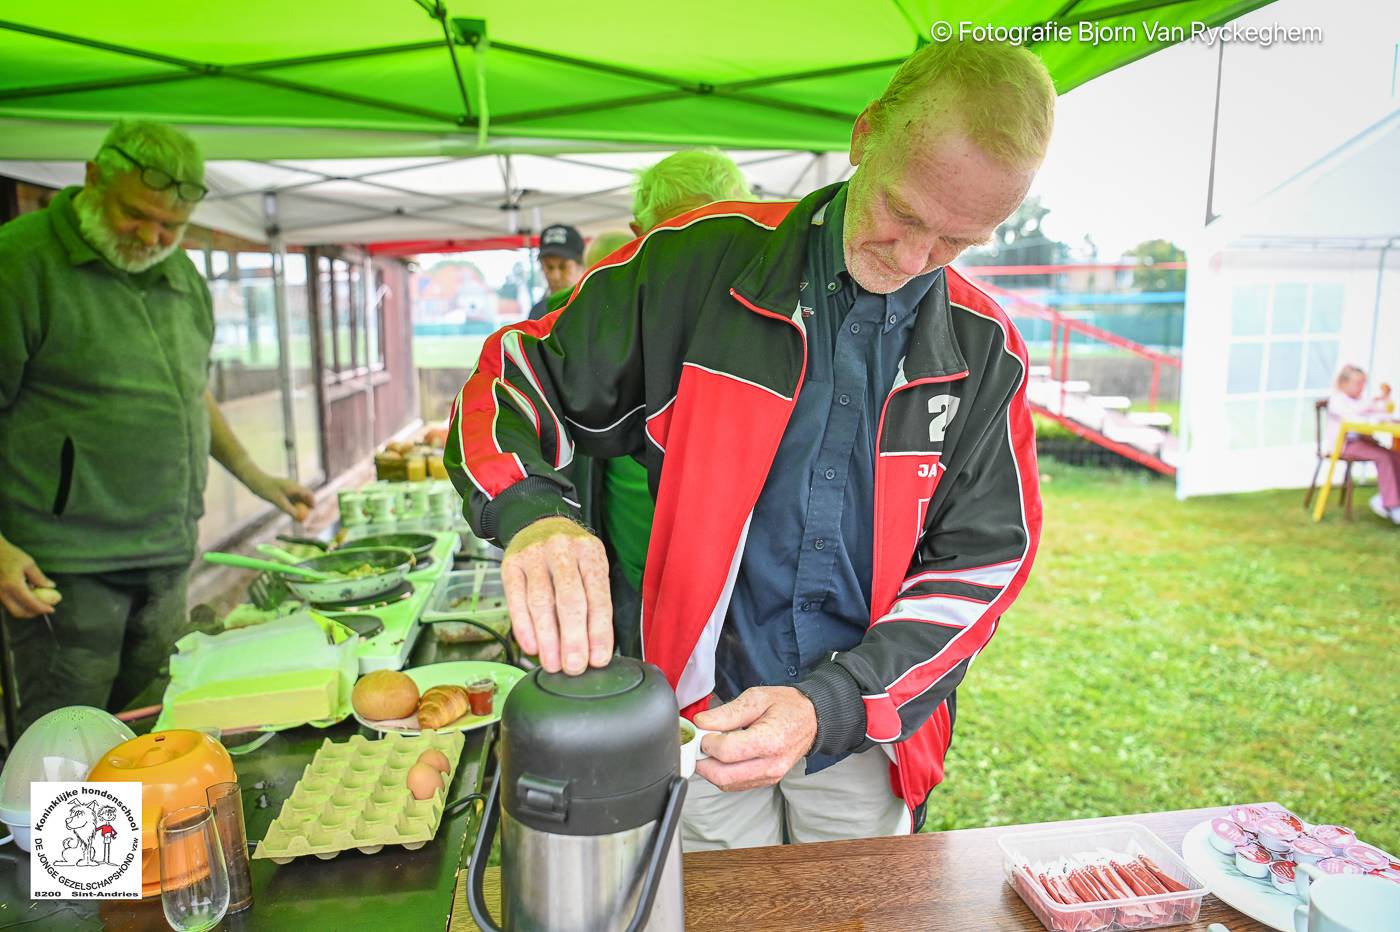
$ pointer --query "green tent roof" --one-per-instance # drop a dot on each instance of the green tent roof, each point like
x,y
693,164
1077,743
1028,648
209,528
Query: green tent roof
x,y
736,73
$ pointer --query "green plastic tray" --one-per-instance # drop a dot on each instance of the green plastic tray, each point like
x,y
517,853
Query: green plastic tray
x,y
354,795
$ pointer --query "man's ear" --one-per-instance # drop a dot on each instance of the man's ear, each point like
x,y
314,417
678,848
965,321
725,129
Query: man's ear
x,y
862,131
91,176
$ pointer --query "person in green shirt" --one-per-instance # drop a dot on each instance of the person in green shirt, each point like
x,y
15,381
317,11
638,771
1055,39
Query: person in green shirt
x,y
107,425
617,499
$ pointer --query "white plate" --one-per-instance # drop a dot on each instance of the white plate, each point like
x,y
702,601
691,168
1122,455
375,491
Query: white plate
x,y
457,673
1257,899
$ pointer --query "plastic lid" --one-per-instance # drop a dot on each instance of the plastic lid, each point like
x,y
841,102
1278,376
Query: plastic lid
x,y
594,683
61,746
591,754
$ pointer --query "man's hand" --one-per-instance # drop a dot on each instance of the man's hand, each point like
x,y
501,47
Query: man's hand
x,y
555,575
768,730
288,495
18,572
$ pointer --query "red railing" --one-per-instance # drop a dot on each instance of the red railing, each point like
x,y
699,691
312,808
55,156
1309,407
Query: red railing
x,y
1062,326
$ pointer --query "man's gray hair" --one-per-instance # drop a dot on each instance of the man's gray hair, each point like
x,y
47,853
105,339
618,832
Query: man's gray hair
x,y
604,245
1001,94
684,181
154,145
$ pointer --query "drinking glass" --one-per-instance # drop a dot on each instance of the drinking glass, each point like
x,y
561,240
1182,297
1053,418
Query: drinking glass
x,y
226,799
193,879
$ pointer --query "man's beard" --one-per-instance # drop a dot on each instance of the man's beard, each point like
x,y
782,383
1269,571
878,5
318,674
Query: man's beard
x,y
92,224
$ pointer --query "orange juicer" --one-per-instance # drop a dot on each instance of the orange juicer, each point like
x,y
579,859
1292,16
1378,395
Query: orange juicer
x,y
174,768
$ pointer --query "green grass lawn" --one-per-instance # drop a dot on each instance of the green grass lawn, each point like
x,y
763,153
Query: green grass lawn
x,y
1168,655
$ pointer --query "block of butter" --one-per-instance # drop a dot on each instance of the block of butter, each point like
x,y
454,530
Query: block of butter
x,y
289,698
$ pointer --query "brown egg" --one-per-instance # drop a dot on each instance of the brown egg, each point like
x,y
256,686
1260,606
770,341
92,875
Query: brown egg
x,y
436,759
423,780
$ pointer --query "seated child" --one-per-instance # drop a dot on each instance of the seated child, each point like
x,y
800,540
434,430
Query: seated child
x,y
1348,404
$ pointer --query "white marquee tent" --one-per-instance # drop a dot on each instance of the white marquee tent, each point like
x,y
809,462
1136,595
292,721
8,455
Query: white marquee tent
x,y
1278,298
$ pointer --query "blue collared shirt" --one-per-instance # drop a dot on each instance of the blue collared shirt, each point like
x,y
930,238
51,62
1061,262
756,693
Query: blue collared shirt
x,y
803,587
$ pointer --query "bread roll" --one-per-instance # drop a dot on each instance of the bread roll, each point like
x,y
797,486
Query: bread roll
x,y
384,694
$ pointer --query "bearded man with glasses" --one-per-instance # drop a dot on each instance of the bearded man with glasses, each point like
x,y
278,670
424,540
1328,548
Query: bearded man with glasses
x,y
107,426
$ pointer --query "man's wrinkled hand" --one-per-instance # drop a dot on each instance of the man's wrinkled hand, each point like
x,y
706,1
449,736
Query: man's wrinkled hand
x,y
767,730
19,576
555,575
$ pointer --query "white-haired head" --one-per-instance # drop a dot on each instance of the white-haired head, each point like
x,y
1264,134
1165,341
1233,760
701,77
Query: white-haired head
x,y
999,95
684,181
133,144
140,190
604,245
942,158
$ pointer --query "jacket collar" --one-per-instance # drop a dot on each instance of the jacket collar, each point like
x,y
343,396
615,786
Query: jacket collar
x,y
770,281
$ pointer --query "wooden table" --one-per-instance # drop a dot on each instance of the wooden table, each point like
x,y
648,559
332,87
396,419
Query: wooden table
x,y
1372,429
936,882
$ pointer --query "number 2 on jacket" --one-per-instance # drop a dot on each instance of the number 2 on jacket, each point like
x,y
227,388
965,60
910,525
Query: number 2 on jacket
x,y
942,407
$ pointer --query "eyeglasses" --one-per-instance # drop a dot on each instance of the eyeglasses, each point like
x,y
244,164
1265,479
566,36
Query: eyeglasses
x,y
159,180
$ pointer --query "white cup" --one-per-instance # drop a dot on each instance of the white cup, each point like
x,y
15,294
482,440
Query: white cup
x,y
1346,903
690,750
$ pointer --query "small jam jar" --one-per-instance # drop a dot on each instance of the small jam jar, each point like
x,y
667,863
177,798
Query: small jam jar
x,y
1252,860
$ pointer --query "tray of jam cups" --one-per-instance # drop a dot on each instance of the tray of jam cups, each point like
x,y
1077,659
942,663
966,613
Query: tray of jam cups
x,y
1101,878
1250,857
365,794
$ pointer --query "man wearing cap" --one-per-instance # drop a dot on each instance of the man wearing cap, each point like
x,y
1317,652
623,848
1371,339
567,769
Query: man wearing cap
x,y
561,260
107,426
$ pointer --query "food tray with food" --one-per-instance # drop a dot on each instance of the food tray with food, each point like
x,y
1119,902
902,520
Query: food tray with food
x,y
295,670
1250,857
458,696
1103,878
365,794
468,595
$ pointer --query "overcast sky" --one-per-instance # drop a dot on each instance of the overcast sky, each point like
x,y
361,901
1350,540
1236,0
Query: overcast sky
x,y
1131,151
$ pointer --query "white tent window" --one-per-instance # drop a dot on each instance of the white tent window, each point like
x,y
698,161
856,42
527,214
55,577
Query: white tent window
x,y
1283,352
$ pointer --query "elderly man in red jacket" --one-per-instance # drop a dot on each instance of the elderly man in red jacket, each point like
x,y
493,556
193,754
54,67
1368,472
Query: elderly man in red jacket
x,y
836,433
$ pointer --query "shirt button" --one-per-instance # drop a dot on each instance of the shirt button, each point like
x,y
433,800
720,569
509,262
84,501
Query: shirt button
x,y
830,474
832,286
855,328
820,543
806,606
844,399
892,320
792,671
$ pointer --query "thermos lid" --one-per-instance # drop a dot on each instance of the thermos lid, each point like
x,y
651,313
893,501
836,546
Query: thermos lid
x,y
590,754
593,683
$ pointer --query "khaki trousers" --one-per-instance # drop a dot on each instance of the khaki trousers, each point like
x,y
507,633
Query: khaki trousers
x,y
851,799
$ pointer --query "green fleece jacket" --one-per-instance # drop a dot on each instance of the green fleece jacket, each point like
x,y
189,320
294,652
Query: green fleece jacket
x,y
104,436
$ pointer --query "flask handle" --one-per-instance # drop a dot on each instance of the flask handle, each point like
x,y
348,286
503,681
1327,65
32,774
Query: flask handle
x,y
651,879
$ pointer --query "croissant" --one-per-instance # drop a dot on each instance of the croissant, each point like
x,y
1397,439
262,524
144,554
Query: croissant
x,y
442,705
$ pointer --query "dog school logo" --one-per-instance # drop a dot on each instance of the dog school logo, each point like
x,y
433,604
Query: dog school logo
x,y
87,841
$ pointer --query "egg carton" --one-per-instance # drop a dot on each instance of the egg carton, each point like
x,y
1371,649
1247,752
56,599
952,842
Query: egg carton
x,y
355,795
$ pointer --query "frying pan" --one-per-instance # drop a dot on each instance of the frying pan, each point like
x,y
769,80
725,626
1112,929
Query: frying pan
x,y
392,565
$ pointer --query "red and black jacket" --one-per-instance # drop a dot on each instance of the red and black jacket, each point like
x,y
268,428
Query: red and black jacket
x,y
686,349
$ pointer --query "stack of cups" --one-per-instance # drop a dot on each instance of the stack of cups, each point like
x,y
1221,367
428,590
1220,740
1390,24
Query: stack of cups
x,y
352,508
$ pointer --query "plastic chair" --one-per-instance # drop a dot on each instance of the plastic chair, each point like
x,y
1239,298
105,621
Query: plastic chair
x,y
1348,487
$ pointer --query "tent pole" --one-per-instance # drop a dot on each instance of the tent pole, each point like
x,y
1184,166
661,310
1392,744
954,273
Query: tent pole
x,y
1376,314
284,330
1214,138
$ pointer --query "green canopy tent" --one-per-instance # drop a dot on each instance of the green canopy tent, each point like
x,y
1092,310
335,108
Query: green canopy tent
x,y
337,78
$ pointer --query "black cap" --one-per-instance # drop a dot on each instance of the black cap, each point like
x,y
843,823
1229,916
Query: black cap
x,y
562,240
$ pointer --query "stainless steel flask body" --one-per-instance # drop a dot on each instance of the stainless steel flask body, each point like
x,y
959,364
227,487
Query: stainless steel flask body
x,y
588,795
585,883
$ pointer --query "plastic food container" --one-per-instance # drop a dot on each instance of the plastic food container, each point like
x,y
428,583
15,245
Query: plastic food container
x,y
61,746
468,595
1023,850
